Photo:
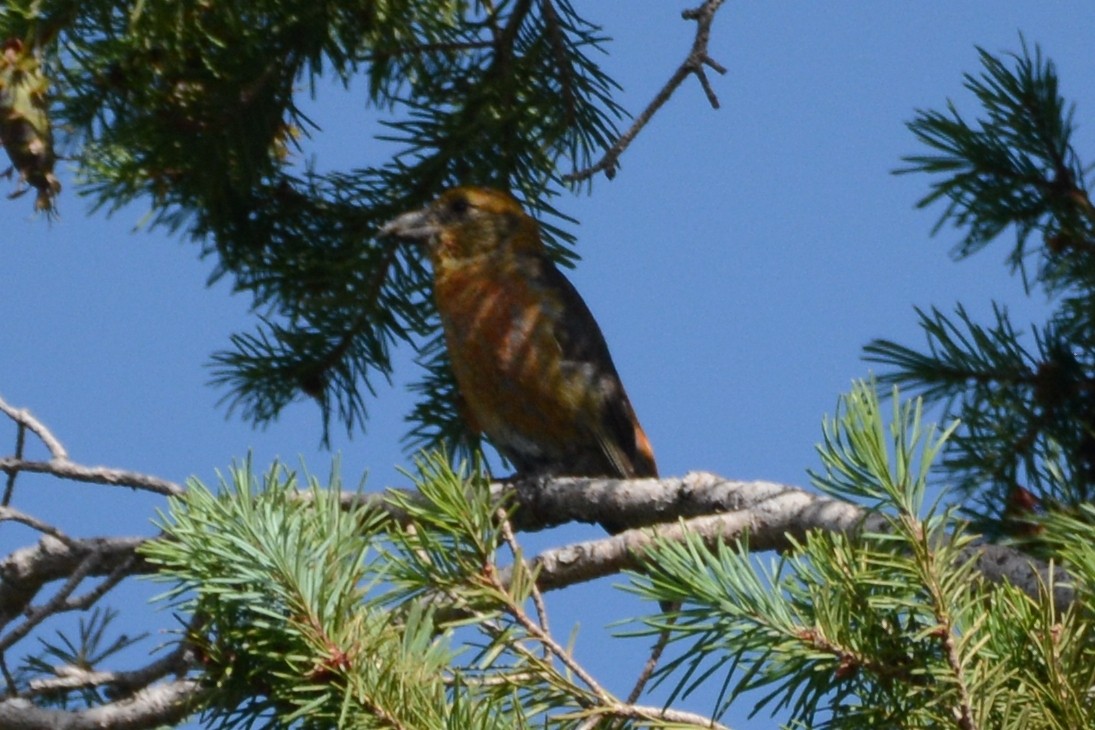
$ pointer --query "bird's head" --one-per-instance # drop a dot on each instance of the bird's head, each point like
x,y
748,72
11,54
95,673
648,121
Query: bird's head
x,y
468,223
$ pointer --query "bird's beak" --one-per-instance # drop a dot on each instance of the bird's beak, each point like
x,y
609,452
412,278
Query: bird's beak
x,y
418,225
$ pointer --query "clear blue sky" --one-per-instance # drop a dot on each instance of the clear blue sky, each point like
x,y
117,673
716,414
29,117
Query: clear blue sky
x,y
737,265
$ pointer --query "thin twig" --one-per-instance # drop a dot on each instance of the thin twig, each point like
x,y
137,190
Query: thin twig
x,y
20,443
54,605
518,555
10,514
631,711
695,64
65,469
655,654
59,464
23,417
123,571
548,641
8,679
641,712
927,562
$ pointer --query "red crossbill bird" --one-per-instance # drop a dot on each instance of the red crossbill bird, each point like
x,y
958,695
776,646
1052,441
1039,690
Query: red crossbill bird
x,y
530,361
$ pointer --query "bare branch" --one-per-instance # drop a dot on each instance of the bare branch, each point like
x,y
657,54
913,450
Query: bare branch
x,y
65,469
665,714
166,703
71,677
24,571
25,419
771,513
13,515
719,509
55,605
542,504
695,64
60,466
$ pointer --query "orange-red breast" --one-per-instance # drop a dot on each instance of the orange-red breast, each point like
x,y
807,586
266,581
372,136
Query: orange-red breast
x,y
530,361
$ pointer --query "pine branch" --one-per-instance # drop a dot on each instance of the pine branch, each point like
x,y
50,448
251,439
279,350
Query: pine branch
x,y
699,509
1015,166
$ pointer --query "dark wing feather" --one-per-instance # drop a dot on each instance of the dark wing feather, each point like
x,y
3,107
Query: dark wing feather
x,y
584,348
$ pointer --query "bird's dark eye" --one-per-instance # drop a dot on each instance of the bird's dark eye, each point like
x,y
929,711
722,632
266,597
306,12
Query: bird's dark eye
x,y
459,206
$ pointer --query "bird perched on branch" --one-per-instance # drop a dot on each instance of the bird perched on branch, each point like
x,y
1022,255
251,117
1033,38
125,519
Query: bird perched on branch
x,y
530,361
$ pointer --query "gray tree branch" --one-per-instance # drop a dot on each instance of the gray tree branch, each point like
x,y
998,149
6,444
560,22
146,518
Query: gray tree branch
x,y
168,702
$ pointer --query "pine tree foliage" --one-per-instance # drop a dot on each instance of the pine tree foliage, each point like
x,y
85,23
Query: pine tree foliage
x,y
892,628
303,614
284,622
1027,405
196,107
